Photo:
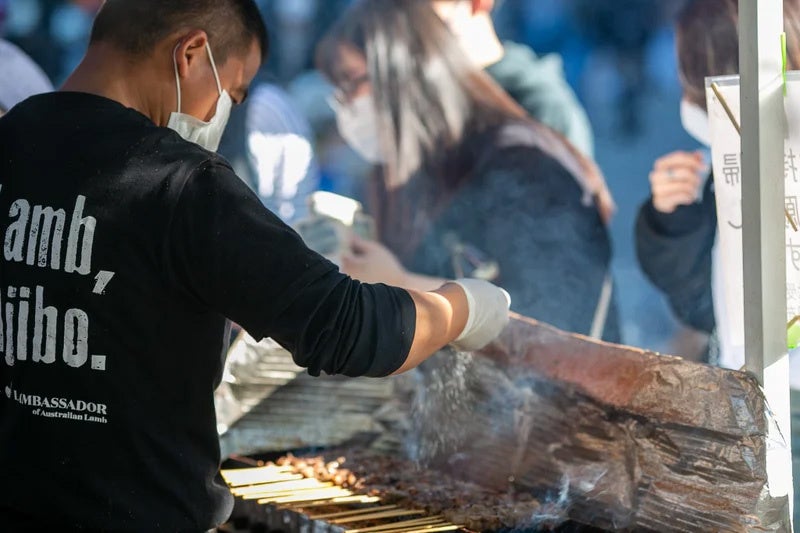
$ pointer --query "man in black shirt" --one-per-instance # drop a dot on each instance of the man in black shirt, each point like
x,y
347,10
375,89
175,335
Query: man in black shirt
x,y
125,249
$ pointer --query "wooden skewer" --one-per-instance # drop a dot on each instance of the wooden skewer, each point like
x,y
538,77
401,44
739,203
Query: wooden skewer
x,y
287,493
310,497
342,514
438,529
279,486
324,490
402,526
283,486
248,476
790,218
726,107
343,500
255,470
732,118
377,516
264,482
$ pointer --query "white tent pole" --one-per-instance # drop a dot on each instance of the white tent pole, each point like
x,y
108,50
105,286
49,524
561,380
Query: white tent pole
x,y
763,133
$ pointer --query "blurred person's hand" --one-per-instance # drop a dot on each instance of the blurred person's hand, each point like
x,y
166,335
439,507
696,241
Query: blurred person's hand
x,y
371,262
676,180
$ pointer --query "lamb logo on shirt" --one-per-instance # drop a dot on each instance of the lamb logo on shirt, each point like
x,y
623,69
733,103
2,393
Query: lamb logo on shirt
x,y
60,407
38,236
43,229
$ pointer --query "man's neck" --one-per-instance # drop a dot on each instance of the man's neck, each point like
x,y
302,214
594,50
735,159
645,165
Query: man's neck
x,y
106,72
480,41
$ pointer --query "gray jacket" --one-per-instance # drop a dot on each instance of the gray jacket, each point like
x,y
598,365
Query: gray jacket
x,y
539,86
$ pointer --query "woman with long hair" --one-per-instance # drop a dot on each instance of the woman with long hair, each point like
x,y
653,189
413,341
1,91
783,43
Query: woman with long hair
x,y
466,183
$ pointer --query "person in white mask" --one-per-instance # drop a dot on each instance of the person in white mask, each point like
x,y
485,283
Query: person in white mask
x,y
206,134
676,231
465,182
129,245
676,228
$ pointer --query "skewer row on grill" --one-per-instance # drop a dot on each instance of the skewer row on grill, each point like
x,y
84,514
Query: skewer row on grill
x,y
286,489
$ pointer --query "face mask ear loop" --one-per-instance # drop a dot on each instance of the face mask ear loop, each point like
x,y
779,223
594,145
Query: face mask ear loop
x,y
177,77
214,67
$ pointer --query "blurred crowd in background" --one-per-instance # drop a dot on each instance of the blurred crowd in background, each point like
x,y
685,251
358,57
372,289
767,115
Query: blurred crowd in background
x,y
618,55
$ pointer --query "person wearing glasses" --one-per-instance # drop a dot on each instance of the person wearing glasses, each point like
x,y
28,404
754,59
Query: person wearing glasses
x,y
464,181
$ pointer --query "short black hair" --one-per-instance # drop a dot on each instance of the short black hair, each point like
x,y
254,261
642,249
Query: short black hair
x,y
136,26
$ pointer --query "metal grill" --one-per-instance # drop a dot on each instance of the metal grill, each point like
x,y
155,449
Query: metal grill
x,y
602,435
269,404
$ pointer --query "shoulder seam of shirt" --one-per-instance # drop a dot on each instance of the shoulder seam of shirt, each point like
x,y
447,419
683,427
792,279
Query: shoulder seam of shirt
x,y
203,165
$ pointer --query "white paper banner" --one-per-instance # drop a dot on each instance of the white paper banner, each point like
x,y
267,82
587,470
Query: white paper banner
x,y
727,164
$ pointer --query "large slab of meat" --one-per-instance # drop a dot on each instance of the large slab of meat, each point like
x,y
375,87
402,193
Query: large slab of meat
x,y
618,438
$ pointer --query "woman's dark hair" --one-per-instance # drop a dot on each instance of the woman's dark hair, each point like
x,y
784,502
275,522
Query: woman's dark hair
x,y
428,96
707,34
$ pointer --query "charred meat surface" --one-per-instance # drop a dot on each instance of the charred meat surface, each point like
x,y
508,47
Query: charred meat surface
x,y
403,482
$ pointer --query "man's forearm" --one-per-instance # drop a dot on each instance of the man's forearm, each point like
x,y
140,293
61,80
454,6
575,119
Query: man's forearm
x,y
441,317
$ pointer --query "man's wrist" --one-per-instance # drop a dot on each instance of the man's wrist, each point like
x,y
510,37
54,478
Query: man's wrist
x,y
459,303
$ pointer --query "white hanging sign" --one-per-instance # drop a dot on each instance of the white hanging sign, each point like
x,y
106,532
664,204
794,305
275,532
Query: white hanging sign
x,y
727,164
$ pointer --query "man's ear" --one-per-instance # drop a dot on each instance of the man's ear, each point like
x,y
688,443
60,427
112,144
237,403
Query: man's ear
x,y
482,6
191,48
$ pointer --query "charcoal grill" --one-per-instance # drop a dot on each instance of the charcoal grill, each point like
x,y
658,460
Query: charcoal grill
x,y
366,492
634,440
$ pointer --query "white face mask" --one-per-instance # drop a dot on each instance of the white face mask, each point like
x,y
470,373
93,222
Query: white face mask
x,y
358,125
206,134
695,122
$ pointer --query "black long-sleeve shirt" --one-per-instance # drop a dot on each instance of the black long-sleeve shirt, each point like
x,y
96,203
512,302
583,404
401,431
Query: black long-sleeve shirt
x,y
675,251
126,248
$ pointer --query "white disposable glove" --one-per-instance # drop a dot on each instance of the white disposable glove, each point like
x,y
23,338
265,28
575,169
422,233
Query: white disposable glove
x,y
488,314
